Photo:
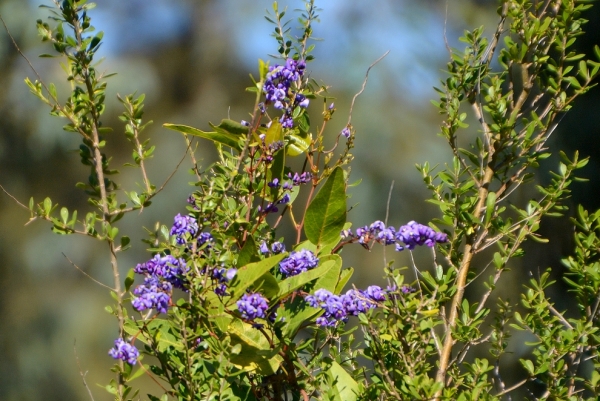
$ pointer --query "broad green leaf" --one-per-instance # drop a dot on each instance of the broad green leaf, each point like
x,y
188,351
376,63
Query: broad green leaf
x,y
330,279
344,277
293,283
344,383
256,353
326,214
230,127
274,133
276,171
248,253
216,312
267,285
222,138
248,274
297,145
294,314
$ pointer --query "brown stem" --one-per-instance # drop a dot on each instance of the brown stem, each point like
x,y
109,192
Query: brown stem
x,y
461,281
104,203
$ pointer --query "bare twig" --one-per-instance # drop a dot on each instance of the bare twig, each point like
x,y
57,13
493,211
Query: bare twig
x,y
87,275
364,85
12,197
81,371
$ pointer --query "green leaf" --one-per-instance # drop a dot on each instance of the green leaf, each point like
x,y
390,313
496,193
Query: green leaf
x,y
274,133
344,277
223,137
330,279
294,314
528,365
129,279
248,253
248,274
231,127
326,214
256,353
297,145
64,214
275,171
343,382
267,285
291,284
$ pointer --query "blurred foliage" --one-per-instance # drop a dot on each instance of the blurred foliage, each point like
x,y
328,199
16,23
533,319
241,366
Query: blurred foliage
x,y
180,55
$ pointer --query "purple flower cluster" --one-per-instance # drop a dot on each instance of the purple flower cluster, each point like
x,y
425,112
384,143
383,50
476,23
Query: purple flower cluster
x,y
222,276
124,351
184,225
162,274
272,206
298,179
406,237
185,228
413,234
165,267
298,262
276,248
253,306
278,89
153,294
337,308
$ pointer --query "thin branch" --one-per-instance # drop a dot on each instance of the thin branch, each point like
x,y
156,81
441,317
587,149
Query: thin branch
x,y
18,49
164,184
11,196
86,274
387,213
511,388
364,85
81,371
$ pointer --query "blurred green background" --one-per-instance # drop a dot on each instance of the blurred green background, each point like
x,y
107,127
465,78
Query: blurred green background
x,y
192,59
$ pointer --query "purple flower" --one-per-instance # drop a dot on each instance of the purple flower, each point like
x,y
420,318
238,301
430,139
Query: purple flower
x,y
286,121
337,308
346,132
172,270
357,302
276,248
245,123
374,293
298,179
298,262
285,199
231,273
124,351
205,239
153,294
302,101
264,248
270,208
221,290
278,89
321,296
253,306
184,225
414,234
407,289
166,267
408,236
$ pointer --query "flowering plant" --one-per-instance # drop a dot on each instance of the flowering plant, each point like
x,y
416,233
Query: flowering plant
x,y
225,308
